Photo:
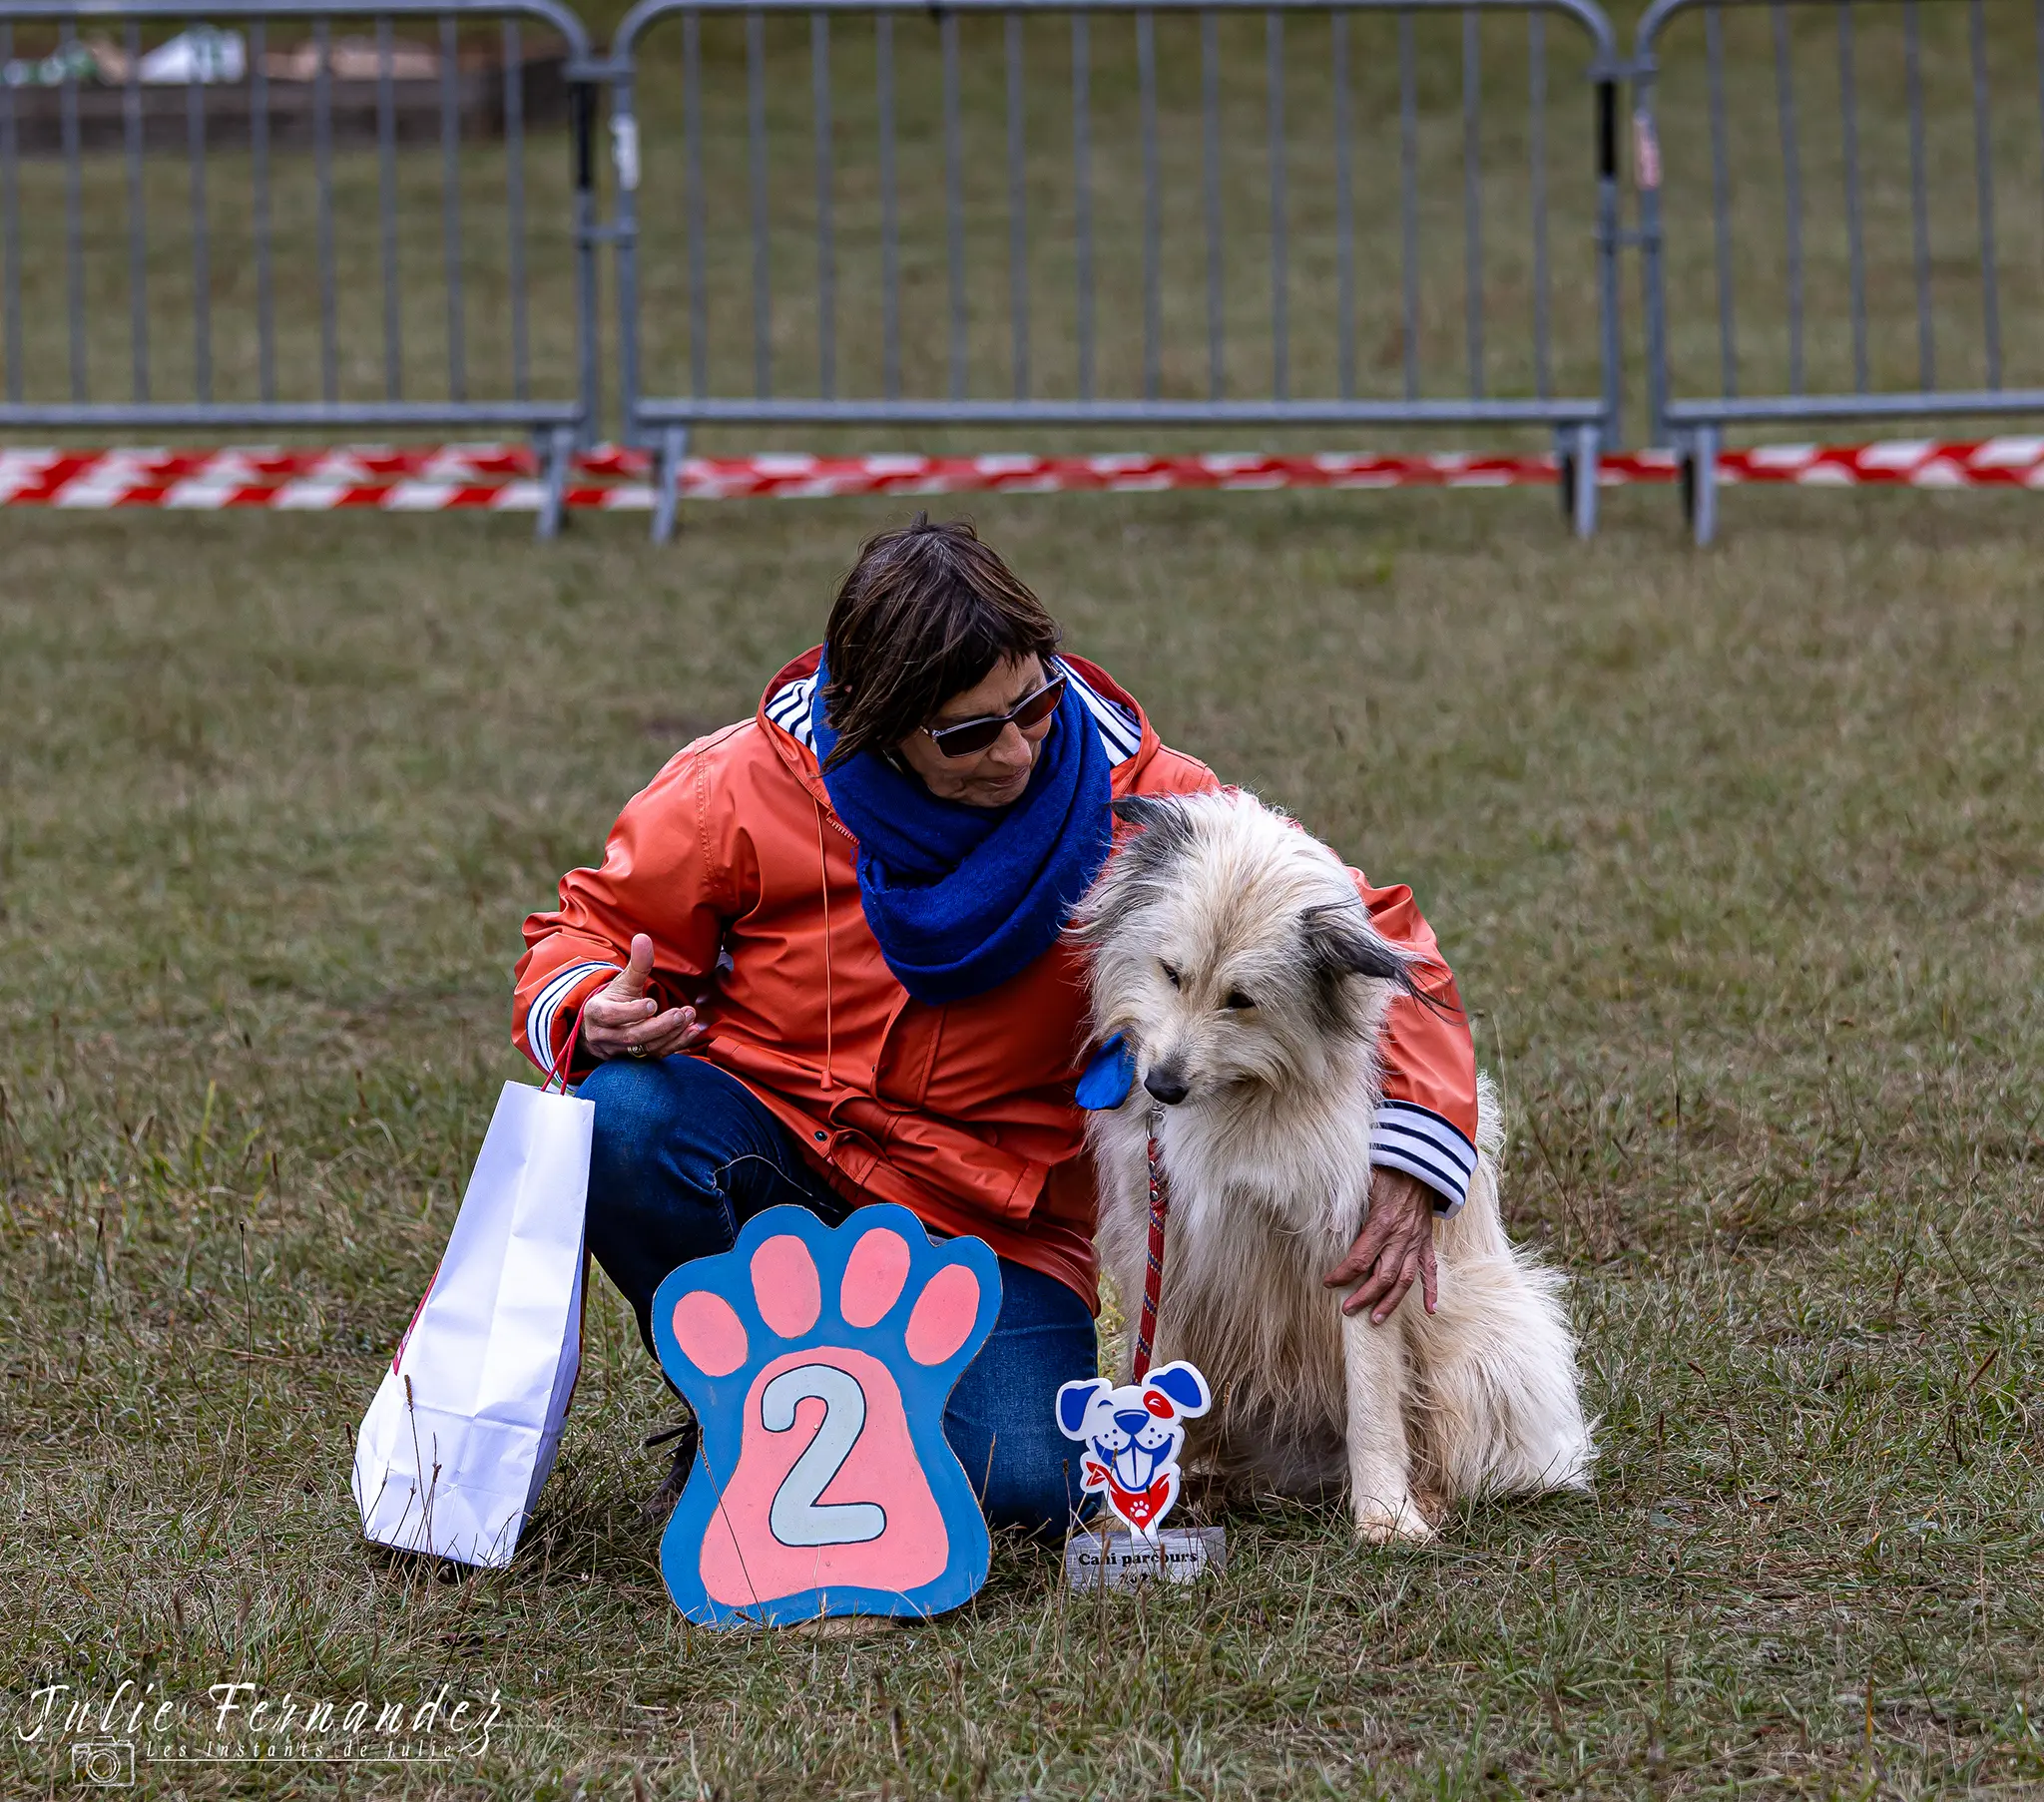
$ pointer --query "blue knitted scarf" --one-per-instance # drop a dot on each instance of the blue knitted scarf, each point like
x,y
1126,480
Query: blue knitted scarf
x,y
961,898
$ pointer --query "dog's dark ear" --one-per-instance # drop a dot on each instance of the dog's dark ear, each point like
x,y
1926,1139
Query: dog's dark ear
x,y
1139,871
1146,810
1341,942
1164,830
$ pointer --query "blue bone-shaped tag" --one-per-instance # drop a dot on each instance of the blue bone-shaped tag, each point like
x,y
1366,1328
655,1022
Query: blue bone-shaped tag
x,y
1109,1076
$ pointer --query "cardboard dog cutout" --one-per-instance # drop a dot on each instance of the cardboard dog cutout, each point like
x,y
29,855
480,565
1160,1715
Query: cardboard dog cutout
x,y
1133,1436
819,1362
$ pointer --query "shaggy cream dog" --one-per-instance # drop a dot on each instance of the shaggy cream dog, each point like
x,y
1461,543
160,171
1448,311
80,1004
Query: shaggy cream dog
x,y
1232,950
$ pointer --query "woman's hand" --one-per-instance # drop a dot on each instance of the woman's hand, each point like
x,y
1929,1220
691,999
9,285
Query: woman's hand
x,y
621,1021
1394,1246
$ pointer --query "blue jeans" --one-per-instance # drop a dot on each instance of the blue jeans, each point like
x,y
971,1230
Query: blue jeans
x,y
684,1155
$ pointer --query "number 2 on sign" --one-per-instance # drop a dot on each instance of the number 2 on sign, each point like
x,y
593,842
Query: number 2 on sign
x,y
796,1517
819,1360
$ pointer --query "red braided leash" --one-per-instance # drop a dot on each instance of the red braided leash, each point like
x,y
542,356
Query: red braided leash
x,y
1153,1277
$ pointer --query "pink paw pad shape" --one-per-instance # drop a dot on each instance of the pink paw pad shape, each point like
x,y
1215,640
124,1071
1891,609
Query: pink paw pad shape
x,y
818,1361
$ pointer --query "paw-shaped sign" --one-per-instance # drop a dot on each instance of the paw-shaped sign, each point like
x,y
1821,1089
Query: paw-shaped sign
x,y
818,1361
1133,1436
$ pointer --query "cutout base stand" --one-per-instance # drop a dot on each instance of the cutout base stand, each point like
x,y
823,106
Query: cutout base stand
x,y
1120,1560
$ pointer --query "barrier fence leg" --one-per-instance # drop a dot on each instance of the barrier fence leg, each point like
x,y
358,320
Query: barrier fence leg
x,y
1700,482
557,451
667,458
1580,464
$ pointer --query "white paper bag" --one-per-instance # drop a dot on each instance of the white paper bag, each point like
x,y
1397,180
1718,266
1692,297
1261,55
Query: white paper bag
x,y
463,1431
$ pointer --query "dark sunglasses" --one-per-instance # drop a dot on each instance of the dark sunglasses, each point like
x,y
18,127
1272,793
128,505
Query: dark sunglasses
x,y
970,737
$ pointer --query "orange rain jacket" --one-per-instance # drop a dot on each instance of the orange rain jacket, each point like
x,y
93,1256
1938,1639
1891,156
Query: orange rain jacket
x,y
733,862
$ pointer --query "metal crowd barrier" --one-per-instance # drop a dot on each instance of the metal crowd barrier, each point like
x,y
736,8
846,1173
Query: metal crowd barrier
x,y
297,235
1759,220
1003,213
1035,212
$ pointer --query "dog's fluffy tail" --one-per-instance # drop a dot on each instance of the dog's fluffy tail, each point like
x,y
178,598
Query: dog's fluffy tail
x,y
1479,1230
1502,1391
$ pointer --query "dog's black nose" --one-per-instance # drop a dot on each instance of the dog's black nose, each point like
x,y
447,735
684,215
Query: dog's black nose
x,y
1166,1086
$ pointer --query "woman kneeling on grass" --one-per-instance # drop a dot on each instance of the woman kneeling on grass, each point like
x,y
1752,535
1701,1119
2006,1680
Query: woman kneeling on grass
x,y
820,964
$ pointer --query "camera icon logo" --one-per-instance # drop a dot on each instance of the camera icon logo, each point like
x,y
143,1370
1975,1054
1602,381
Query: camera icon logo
x,y
110,1763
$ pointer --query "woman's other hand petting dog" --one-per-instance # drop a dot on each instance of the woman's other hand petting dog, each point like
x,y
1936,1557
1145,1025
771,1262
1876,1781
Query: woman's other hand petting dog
x,y
1394,1251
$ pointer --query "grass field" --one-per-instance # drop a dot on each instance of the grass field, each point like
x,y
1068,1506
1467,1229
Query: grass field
x,y
1737,858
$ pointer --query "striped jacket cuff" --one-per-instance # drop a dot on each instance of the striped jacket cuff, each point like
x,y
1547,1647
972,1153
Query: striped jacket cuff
x,y
551,1011
1425,1145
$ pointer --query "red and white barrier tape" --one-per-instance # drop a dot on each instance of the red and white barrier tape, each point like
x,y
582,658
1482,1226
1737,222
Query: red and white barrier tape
x,y
1891,463
503,478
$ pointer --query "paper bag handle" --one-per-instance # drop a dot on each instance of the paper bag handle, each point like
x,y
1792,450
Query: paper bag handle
x,y
566,1060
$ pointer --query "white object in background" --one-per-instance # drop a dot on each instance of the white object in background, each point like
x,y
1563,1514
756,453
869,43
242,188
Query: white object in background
x,y
203,54
463,1432
625,150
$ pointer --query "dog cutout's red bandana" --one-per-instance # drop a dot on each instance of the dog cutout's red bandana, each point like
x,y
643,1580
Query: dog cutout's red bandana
x,y
1137,1507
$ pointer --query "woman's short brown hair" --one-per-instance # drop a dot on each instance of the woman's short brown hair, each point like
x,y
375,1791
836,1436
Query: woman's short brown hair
x,y
926,613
